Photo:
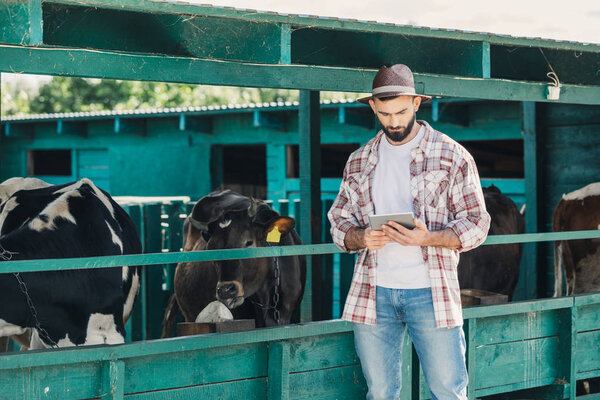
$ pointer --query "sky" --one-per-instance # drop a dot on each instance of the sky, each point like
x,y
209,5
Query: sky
x,y
573,20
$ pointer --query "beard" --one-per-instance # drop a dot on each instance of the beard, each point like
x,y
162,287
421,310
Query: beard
x,y
398,133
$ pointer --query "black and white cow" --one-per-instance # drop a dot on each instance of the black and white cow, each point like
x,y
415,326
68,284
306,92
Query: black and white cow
x,y
228,220
73,307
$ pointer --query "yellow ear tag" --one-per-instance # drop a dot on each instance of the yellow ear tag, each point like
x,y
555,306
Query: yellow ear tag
x,y
274,235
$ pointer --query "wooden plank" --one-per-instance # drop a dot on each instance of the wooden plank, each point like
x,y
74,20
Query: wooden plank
x,y
471,328
232,254
322,352
587,357
113,65
333,383
255,389
530,362
279,371
514,387
310,193
528,275
132,126
588,317
518,326
80,381
76,128
173,345
113,380
286,44
148,6
191,368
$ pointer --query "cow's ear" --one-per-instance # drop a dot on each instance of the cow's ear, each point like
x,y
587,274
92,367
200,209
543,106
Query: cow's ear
x,y
283,225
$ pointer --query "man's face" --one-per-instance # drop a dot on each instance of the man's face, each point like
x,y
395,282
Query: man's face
x,y
396,116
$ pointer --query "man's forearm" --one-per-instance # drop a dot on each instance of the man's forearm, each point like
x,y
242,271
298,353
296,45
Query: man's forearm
x,y
445,238
354,238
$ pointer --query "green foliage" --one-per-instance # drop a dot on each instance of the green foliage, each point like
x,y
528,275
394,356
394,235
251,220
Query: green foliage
x,y
63,94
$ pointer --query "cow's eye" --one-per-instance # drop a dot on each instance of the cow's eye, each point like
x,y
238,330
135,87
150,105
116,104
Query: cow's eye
x,y
249,243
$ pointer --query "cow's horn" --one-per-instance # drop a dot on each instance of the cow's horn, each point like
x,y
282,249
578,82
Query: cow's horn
x,y
199,225
252,208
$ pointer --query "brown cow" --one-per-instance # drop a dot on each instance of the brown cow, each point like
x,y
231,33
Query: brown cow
x,y
580,259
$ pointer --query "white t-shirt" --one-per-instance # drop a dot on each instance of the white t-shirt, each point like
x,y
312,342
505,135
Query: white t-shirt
x,y
398,266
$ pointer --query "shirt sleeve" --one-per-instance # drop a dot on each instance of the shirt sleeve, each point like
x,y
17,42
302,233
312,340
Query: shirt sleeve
x,y
471,221
341,214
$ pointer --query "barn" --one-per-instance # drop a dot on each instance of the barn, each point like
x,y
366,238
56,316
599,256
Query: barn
x,y
492,94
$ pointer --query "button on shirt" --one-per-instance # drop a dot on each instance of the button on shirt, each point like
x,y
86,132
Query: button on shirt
x,y
398,266
446,195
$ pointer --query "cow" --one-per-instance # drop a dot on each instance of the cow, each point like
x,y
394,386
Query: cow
x,y
228,220
495,268
578,260
70,307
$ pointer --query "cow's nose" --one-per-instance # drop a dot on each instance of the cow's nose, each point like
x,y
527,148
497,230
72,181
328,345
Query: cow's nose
x,y
227,290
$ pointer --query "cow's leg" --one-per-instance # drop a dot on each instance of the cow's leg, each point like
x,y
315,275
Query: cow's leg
x,y
24,339
558,268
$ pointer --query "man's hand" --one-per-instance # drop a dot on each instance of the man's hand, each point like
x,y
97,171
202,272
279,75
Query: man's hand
x,y
418,236
358,238
421,236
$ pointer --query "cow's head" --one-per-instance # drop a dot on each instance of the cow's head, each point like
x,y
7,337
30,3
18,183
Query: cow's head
x,y
241,223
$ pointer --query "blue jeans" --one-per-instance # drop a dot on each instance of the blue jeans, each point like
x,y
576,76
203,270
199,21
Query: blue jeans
x,y
441,351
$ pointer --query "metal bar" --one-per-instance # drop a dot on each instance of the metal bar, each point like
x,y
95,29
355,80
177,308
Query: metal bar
x,y
60,264
114,65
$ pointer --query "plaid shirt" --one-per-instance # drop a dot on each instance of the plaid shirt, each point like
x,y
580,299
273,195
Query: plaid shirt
x,y
446,192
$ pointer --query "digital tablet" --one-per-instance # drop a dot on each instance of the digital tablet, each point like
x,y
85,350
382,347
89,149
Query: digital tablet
x,y
404,219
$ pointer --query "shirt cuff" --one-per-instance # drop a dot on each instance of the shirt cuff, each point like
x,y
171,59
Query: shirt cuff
x,y
342,230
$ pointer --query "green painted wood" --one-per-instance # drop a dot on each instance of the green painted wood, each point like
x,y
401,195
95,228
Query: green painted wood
x,y
530,363
279,371
528,276
333,23
252,389
113,380
334,383
71,128
588,317
196,124
190,368
310,193
276,171
567,349
518,326
286,44
113,65
155,296
175,240
514,387
131,126
21,22
232,254
518,307
471,329
322,352
587,356
23,131
73,381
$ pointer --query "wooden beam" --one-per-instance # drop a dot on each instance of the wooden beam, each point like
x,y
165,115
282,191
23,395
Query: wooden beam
x,y
270,120
21,22
113,65
529,274
72,127
196,124
286,44
362,116
23,131
310,195
132,126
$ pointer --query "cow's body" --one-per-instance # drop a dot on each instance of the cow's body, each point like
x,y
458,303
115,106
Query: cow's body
x,y
495,268
577,211
74,307
222,220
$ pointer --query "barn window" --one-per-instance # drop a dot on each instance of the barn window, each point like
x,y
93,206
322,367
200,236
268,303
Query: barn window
x,y
49,163
333,159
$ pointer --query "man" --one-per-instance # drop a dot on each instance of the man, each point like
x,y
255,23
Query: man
x,y
406,279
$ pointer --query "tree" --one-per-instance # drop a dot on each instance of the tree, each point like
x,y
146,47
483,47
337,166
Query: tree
x,y
65,94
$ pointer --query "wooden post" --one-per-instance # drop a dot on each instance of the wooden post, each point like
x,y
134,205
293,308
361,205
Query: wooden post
x,y
279,371
310,195
113,380
529,270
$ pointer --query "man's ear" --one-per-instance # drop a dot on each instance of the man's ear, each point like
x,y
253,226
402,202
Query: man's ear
x,y
372,104
417,102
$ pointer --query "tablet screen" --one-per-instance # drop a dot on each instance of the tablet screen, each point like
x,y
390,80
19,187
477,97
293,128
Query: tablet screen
x,y
404,219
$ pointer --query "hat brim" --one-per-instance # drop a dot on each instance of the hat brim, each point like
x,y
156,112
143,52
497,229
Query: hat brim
x,y
365,100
